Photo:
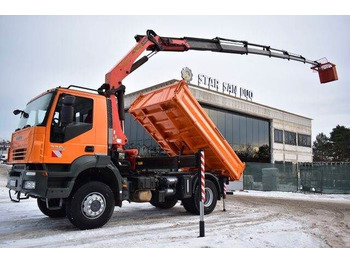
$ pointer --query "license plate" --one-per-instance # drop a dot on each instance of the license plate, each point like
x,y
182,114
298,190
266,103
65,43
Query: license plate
x,y
13,182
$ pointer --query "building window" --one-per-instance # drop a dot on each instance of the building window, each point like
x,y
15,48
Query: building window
x,y
248,136
139,138
290,138
304,140
278,134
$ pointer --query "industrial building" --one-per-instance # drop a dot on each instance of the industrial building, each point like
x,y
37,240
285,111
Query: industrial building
x,y
258,133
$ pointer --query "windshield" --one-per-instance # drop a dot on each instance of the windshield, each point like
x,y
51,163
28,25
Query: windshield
x,y
37,111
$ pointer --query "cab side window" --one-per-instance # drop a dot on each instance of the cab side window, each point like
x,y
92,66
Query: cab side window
x,y
82,120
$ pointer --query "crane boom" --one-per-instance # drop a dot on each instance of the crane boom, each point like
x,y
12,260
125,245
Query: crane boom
x,y
243,47
224,45
154,43
114,89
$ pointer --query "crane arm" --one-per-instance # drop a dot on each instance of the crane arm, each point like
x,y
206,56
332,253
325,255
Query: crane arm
x,y
224,45
114,89
243,47
151,42
154,43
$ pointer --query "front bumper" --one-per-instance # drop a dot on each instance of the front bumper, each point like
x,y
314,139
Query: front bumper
x,y
38,182
20,179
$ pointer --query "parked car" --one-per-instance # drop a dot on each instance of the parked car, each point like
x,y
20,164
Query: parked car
x,y
3,158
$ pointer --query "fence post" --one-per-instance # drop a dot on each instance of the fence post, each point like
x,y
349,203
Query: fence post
x,y
298,177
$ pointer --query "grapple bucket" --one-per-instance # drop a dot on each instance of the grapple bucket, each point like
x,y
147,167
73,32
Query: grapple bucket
x,y
327,72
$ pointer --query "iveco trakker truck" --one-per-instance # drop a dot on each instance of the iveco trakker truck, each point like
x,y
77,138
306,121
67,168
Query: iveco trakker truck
x,y
69,151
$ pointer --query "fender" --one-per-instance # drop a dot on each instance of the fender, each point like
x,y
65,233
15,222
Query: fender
x,y
78,167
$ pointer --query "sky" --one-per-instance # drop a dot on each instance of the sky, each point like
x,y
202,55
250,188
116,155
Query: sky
x,y
42,52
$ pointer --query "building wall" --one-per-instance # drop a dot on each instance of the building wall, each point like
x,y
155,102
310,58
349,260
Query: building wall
x,y
291,153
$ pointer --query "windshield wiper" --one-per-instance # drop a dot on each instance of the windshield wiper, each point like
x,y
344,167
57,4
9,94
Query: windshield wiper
x,y
17,129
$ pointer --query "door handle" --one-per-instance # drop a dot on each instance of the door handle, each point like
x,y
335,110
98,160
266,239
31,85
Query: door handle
x,y
89,149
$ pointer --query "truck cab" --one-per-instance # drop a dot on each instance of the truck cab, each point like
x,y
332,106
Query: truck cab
x,y
56,129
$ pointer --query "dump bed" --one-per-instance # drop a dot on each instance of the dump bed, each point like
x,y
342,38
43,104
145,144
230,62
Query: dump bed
x,y
175,119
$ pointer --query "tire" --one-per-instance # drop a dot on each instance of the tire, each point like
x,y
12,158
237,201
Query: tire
x,y
211,197
169,202
51,213
91,205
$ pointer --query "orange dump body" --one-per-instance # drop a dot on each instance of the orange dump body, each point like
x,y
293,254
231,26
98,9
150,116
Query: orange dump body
x,y
175,119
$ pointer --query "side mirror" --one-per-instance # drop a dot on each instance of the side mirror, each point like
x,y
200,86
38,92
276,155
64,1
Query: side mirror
x,y
24,114
17,111
67,110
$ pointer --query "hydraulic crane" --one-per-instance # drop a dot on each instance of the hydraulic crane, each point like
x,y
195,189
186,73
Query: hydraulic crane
x,y
114,89
69,152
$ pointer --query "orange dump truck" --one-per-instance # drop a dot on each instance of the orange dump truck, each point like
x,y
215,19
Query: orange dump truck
x,y
60,155
69,152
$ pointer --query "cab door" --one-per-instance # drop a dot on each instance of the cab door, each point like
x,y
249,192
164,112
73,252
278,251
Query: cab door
x,y
69,140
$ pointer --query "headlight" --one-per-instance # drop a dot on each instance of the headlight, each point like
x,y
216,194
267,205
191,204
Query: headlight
x,y
13,183
29,185
30,173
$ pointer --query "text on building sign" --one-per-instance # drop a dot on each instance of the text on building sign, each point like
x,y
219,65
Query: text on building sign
x,y
224,87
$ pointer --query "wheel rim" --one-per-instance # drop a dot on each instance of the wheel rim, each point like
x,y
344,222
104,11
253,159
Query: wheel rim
x,y
93,205
209,197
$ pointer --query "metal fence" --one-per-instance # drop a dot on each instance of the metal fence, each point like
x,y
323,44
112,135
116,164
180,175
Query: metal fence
x,y
328,178
270,177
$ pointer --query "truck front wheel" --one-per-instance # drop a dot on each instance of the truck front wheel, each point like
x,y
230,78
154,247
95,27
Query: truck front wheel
x,y
211,197
91,205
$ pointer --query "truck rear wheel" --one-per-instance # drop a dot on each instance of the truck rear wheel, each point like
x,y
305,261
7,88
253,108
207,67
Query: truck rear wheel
x,y
211,197
54,213
91,206
168,203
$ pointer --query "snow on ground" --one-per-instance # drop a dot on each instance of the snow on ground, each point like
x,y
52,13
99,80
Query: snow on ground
x,y
340,198
253,219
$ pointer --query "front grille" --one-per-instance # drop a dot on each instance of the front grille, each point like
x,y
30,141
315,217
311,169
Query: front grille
x,y
19,154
